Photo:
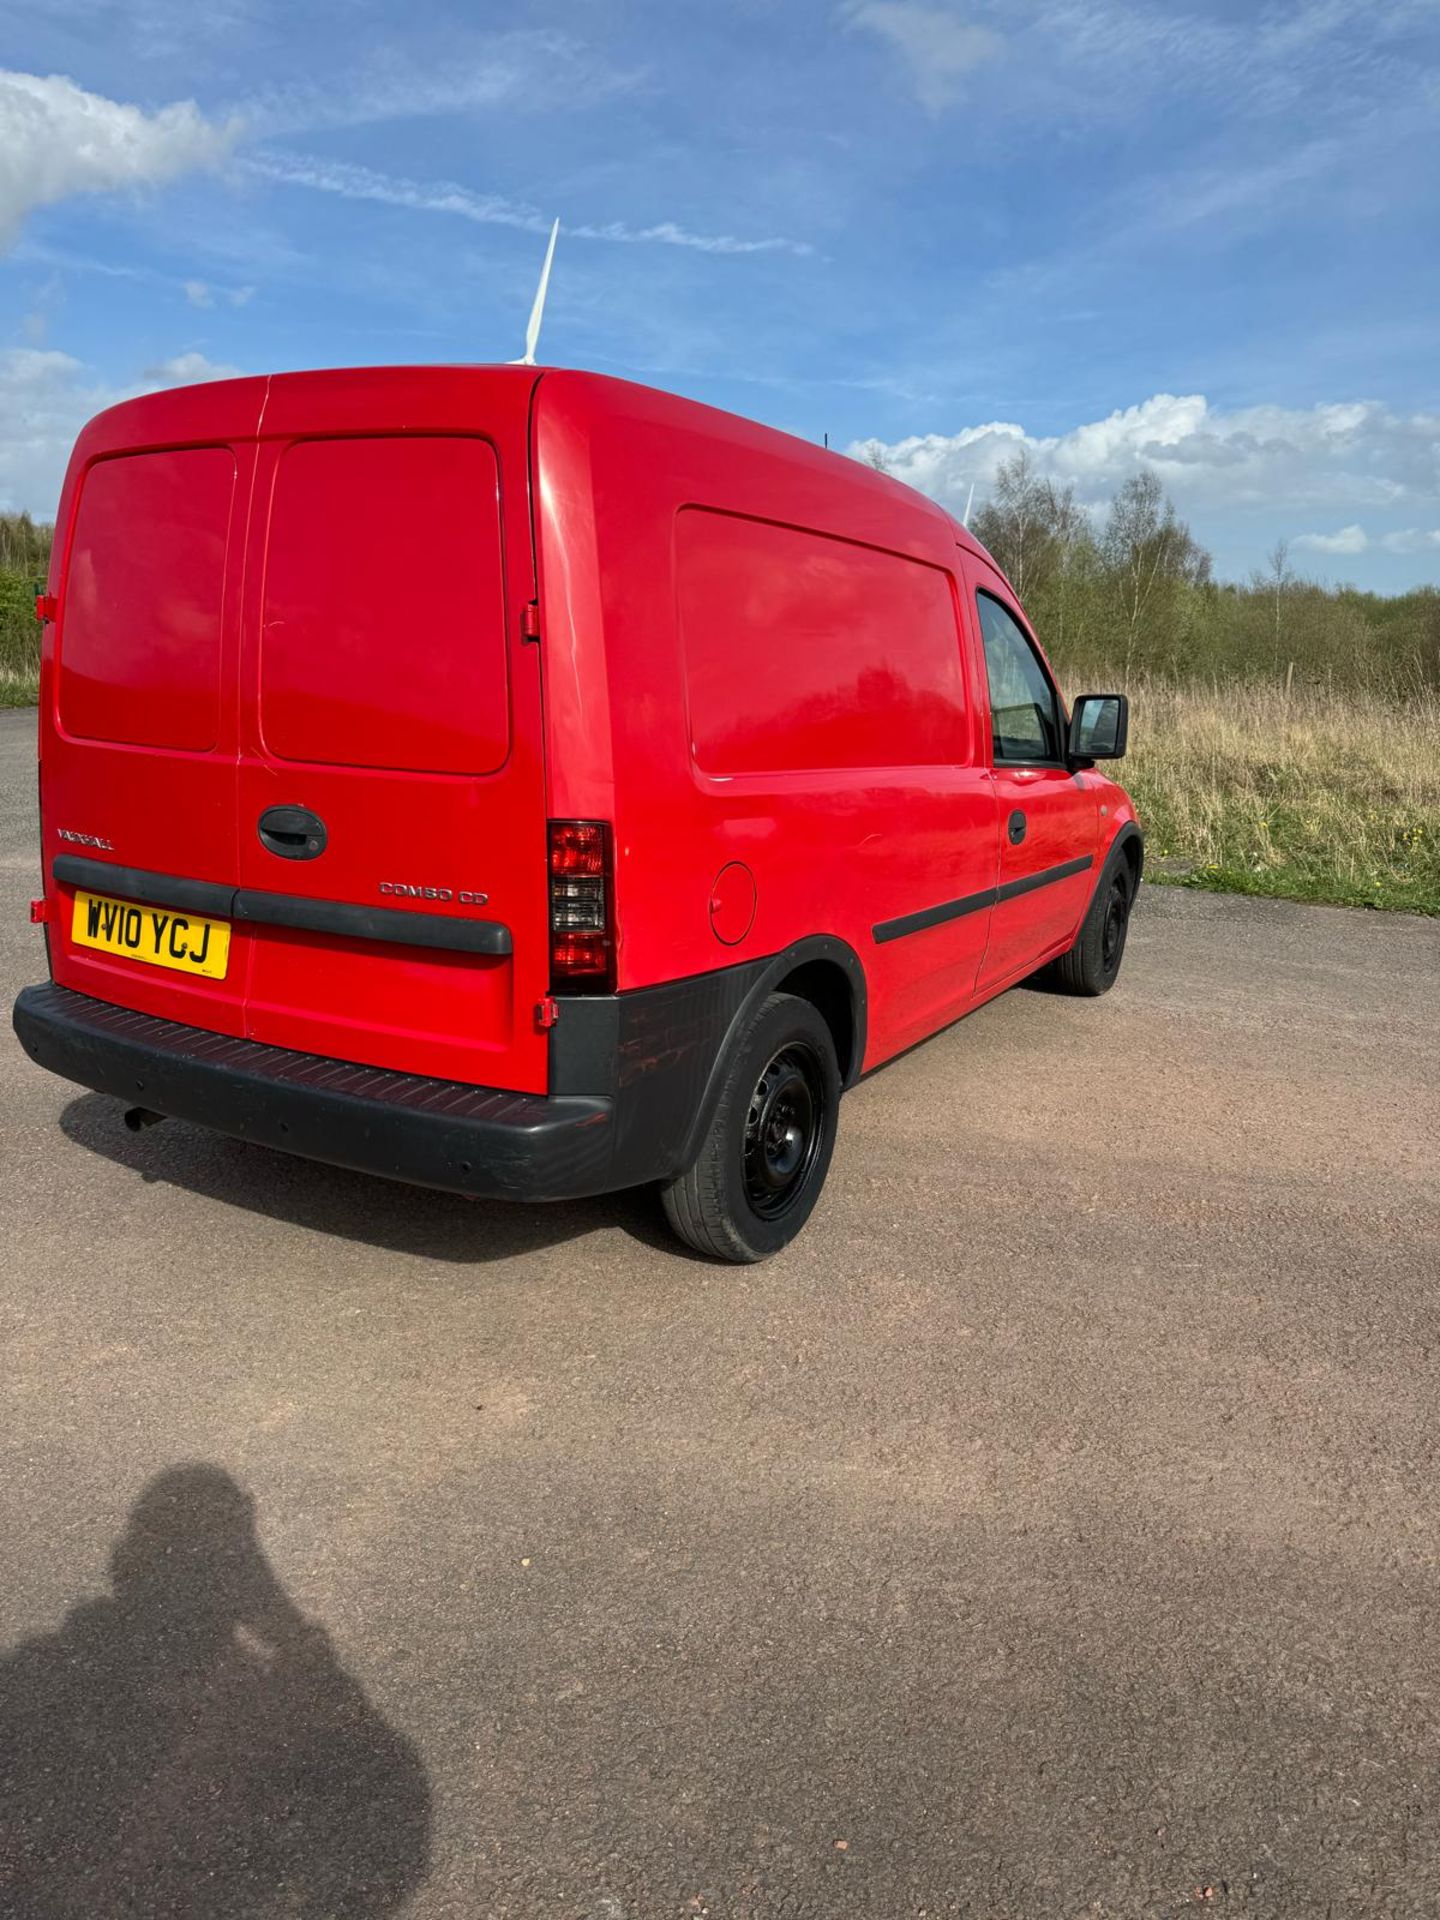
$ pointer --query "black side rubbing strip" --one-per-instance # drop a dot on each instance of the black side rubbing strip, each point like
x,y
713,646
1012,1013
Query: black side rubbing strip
x,y
974,902
154,889
286,910
372,923
1014,888
932,916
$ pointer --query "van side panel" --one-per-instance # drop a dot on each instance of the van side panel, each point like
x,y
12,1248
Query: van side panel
x,y
794,656
699,534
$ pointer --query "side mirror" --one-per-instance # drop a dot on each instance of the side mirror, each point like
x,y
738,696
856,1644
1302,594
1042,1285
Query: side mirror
x,y
1099,726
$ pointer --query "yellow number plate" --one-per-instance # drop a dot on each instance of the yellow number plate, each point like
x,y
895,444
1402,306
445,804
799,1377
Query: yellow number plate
x,y
157,935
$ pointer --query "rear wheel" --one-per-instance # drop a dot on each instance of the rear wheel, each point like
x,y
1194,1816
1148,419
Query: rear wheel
x,y
766,1154
1092,965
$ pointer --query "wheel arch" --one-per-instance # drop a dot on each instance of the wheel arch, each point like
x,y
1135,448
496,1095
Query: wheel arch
x,y
822,969
1129,845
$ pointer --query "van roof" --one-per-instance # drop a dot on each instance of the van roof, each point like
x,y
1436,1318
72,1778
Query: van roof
x,y
243,407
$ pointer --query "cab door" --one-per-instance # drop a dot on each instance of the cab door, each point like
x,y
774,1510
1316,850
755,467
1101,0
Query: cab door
x,y
1047,814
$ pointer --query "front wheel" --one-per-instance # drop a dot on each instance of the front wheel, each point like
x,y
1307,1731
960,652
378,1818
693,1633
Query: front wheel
x,y
1092,965
764,1159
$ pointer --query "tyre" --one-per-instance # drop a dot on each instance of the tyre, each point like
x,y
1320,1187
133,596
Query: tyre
x,y
764,1159
1093,964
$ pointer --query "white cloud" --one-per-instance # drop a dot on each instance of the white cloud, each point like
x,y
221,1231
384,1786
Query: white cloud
x,y
938,48
1351,539
57,140
1082,59
1411,540
1272,459
45,399
441,70
1265,59
200,293
1172,202
184,370
487,209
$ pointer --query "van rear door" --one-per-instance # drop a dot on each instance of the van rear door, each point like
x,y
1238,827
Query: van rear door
x,y
390,712
138,729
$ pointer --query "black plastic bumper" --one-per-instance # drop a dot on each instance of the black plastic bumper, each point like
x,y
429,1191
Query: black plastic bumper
x,y
434,1133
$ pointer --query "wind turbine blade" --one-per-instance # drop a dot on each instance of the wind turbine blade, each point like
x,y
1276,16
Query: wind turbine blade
x,y
965,517
537,312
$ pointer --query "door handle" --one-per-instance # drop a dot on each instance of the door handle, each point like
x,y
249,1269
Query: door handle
x,y
293,832
1016,828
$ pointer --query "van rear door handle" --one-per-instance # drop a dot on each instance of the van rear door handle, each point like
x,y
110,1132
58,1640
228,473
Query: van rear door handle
x,y
1016,828
293,832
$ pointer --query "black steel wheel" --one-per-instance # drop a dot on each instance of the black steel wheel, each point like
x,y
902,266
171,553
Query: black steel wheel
x,y
783,1129
767,1150
1116,922
1093,964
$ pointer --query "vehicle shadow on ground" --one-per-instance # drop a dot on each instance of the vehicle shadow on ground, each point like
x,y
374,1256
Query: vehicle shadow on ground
x,y
191,1745
385,1214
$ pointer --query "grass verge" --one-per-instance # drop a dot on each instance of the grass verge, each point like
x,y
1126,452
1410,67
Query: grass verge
x,y
18,688
1315,795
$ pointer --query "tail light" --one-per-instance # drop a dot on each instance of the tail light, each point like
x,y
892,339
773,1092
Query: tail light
x,y
582,943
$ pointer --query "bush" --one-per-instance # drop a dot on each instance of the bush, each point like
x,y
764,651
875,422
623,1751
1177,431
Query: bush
x,y
19,639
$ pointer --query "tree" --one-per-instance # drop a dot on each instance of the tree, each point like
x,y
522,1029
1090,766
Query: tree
x,y
1278,580
1149,553
1029,525
24,545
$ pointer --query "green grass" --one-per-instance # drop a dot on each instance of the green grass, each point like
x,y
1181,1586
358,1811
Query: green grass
x,y
19,680
1318,795
18,689
1318,887
19,639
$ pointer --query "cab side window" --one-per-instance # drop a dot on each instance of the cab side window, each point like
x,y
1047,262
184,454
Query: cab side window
x,y
1024,710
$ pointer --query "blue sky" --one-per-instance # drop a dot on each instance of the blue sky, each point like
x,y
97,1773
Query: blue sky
x,y
1203,238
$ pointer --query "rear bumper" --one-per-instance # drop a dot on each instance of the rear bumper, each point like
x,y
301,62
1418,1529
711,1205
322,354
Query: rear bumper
x,y
433,1133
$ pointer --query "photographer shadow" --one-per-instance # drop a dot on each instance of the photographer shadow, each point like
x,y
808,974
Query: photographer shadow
x,y
191,1745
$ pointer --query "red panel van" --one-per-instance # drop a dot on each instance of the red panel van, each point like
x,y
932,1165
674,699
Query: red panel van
x,y
526,783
